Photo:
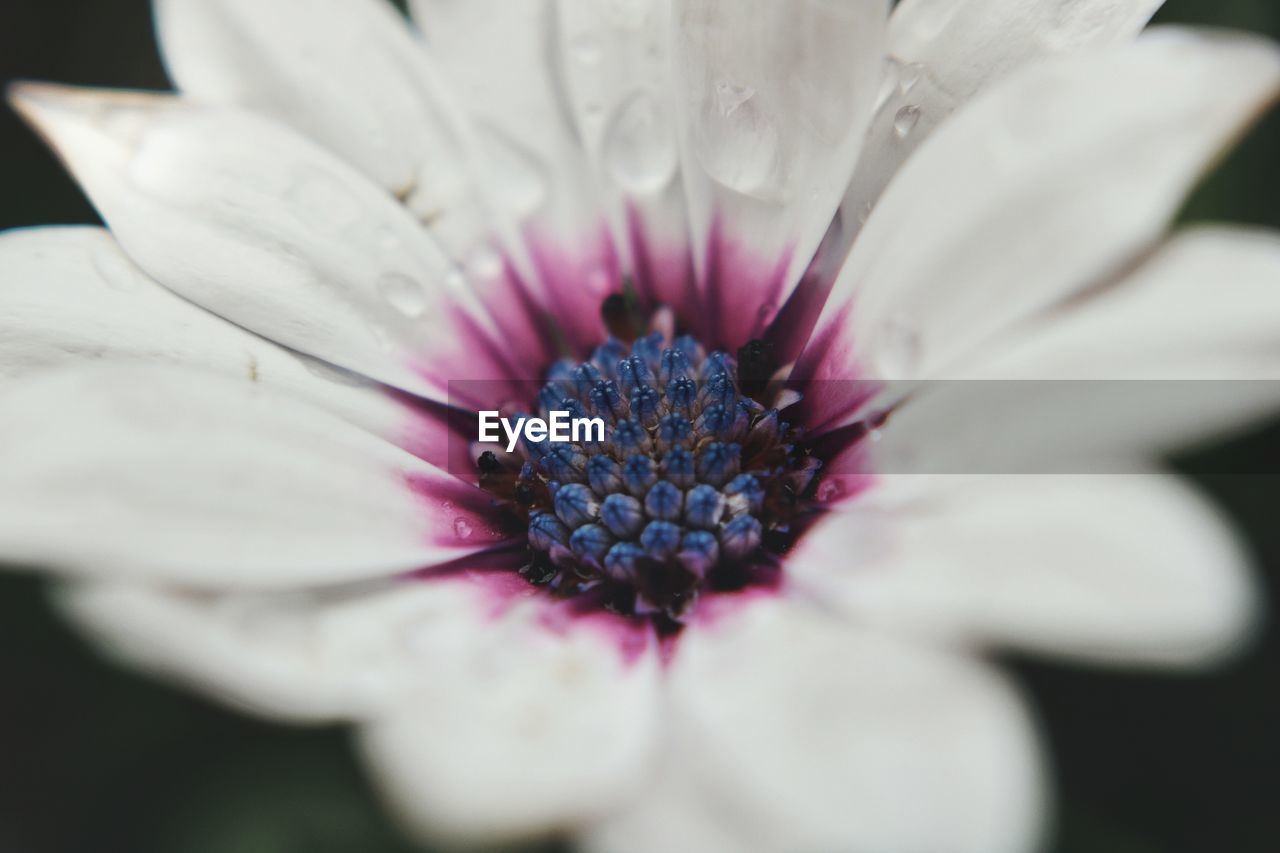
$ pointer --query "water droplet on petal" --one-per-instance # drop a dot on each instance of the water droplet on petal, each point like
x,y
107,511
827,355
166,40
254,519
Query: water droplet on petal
x,y
731,96
639,148
403,294
739,142
905,121
462,528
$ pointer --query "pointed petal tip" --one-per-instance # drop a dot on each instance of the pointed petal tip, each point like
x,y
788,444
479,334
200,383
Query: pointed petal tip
x,y
27,97
42,103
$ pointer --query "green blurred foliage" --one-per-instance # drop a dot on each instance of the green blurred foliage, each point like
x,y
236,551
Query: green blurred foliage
x,y
97,760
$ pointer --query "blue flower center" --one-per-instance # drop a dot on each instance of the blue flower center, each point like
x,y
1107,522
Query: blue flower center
x,y
695,485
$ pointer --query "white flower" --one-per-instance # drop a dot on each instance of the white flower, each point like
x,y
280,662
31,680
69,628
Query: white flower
x,y
225,421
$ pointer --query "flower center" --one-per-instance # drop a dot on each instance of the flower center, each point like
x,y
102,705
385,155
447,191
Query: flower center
x,y
694,487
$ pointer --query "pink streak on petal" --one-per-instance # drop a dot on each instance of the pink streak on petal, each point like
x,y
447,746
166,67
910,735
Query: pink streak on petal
x,y
576,281
830,394
471,356
794,325
663,275
740,290
633,637
439,434
494,575
494,568
524,320
458,515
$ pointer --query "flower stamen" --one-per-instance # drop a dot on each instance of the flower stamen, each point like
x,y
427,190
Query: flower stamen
x,y
679,497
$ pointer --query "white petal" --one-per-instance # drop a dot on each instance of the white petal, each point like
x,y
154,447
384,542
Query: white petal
x,y
1206,306
942,54
1046,184
256,224
520,727
304,655
173,474
1183,350
69,295
774,101
791,732
347,73
353,76
1109,568
615,61
502,58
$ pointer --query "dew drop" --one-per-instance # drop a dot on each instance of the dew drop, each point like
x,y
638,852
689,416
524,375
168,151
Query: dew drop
x,y
403,294
462,528
739,141
118,272
905,121
731,96
639,148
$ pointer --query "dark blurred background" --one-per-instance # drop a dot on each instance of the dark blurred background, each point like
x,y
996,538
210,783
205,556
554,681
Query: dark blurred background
x,y
96,759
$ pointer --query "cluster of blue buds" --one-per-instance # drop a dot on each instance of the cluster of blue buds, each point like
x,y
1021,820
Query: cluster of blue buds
x,y
692,484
